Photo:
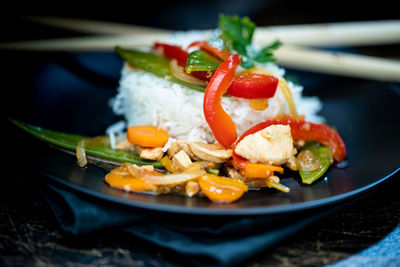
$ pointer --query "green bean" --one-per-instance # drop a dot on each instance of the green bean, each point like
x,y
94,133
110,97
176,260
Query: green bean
x,y
70,142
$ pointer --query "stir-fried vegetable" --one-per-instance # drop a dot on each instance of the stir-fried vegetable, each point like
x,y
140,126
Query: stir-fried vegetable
x,y
283,86
180,73
313,161
219,53
220,122
153,63
255,170
147,136
201,61
70,142
172,52
121,178
253,85
222,189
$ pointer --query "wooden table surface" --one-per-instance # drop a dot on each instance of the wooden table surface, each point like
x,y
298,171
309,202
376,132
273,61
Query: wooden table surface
x,y
30,234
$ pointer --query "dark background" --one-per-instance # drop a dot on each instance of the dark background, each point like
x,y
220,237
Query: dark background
x,y
189,14
29,231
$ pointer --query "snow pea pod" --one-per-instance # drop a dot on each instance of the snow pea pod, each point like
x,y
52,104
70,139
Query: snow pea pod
x,y
322,155
156,64
70,142
201,61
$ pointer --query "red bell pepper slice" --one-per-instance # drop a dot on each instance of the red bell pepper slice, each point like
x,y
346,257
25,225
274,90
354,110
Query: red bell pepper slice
x,y
249,86
176,52
253,86
307,131
219,53
221,124
172,52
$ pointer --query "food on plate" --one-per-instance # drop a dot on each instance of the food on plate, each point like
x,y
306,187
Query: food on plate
x,y
208,115
226,106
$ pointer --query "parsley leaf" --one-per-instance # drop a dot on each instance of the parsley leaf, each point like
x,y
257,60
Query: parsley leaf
x,y
237,34
266,54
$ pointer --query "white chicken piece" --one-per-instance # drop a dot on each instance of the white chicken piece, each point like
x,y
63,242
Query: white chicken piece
x,y
181,160
273,145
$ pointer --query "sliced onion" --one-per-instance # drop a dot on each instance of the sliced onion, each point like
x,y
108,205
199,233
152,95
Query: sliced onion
x,y
194,170
175,178
81,153
307,162
180,73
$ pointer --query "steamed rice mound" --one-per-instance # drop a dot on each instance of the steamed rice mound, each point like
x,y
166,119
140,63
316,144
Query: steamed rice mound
x,y
146,99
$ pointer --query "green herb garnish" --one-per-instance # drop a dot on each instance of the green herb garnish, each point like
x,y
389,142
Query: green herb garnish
x,y
237,34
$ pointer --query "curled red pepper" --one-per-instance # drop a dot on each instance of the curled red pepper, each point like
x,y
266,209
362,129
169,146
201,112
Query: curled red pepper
x,y
303,130
221,124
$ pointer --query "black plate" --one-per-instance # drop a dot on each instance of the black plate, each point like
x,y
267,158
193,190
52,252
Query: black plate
x,y
69,92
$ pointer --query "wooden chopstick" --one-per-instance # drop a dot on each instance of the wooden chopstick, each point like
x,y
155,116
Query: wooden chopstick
x,y
339,33
293,56
338,63
333,34
89,43
290,55
92,26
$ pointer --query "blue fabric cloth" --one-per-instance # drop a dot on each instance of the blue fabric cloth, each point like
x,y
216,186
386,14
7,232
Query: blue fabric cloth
x,y
214,240
385,253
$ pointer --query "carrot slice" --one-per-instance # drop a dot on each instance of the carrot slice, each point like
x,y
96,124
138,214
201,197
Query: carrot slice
x,y
255,170
147,136
121,178
221,189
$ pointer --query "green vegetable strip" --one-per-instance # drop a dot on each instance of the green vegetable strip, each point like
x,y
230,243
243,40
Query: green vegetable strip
x,y
156,64
324,155
213,171
201,61
70,141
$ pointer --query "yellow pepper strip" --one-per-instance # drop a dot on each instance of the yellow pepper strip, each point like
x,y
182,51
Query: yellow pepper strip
x,y
168,164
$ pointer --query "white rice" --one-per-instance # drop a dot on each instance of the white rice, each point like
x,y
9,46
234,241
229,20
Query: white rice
x,y
145,99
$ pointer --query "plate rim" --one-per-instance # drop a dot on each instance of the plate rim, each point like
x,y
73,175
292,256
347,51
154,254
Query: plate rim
x,y
206,211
